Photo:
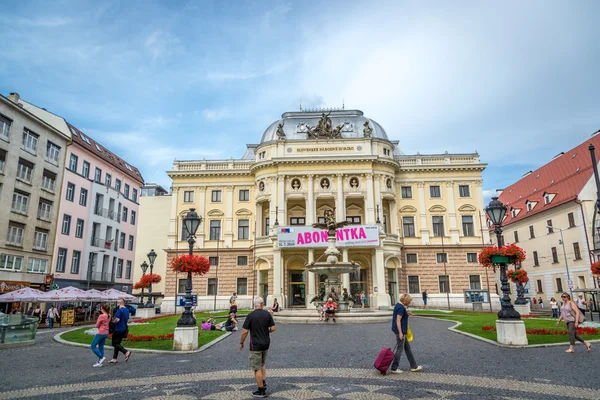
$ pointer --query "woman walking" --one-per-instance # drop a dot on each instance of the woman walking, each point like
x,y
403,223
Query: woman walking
x,y
554,307
400,329
570,313
363,299
100,338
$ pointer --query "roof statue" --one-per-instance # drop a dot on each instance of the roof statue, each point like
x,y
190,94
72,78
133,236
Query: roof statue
x,y
280,133
330,223
324,129
368,131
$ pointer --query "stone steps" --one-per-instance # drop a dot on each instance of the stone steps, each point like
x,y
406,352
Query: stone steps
x,y
311,316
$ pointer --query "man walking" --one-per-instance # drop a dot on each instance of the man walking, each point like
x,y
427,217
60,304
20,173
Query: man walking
x,y
52,314
121,319
260,324
425,298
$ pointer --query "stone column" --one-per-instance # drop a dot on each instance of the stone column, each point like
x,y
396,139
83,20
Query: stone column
x,y
454,232
311,279
394,228
310,202
370,212
200,236
345,277
259,220
340,201
382,297
277,279
273,203
229,217
281,200
423,229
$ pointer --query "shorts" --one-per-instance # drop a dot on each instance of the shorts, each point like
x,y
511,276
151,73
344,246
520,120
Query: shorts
x,y
257,359
330,311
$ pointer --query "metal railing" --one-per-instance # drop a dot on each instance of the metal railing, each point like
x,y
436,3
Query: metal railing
x,y
99,276
106,213
103,243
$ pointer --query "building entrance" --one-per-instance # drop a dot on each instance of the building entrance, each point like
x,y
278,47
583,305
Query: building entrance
x,y
297,289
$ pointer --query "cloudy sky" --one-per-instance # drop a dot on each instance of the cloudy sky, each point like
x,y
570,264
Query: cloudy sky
x,y
154,81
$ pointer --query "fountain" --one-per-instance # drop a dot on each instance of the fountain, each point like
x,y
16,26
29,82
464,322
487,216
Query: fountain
x,y
332,266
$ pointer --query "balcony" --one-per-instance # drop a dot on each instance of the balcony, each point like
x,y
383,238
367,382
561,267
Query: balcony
x,y
106,213
103,243
99,276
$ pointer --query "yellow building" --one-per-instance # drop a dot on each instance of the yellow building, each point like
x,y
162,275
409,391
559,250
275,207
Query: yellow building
x,y
412,216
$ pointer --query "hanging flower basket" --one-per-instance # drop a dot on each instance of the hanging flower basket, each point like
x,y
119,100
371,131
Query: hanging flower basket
x,y
595,268
146,280
517,275
197,265
492,256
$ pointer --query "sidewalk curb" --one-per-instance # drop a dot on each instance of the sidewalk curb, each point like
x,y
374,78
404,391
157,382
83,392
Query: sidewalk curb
x,y
60,340
457,324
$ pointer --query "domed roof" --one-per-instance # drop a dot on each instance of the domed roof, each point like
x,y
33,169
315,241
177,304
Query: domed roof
x,y
296,124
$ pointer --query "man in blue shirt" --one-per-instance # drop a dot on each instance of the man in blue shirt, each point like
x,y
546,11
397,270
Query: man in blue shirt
x,y
121,320
400,329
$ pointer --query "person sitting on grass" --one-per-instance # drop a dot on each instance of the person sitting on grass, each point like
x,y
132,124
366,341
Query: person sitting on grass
x,y
230,325
207,326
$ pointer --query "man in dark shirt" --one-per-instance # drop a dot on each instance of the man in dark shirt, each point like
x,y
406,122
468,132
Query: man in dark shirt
x,y
121,319
425,296
260,324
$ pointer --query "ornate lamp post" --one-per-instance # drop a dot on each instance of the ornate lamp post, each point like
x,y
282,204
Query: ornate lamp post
x,y
144,269
151,258
191,222
496,212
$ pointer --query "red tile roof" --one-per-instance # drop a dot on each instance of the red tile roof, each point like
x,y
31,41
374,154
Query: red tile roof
x,y
102,152
565,176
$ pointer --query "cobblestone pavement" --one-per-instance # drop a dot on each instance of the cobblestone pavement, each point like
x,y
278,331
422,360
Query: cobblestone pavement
x,y
309,362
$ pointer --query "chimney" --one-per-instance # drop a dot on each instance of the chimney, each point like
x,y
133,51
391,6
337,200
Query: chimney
x,y
14,97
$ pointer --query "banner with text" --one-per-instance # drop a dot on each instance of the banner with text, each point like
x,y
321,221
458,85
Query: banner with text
x,y
348,236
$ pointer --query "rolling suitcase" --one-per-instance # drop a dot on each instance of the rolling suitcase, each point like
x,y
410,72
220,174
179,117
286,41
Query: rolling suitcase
x,y
384,360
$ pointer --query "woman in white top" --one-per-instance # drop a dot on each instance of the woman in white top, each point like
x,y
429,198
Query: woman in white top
x,y
554,307
570,313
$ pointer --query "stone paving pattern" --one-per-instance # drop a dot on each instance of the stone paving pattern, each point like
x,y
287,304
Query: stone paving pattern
x,y
309,362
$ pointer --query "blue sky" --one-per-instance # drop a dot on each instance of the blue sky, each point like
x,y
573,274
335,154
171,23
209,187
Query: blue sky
x,y
154,81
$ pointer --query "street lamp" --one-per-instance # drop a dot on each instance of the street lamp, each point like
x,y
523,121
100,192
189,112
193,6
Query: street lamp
x,y
151,258
191,222
562,241
144,269
496,212
597,178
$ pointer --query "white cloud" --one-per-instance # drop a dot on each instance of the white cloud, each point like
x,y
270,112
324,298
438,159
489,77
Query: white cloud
x,y
216,114
160,43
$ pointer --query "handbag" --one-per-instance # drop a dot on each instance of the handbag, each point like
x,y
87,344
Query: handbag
x,y
409,335
581,319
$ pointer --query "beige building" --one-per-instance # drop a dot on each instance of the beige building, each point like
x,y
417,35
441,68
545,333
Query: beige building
x,y
155,209
559,196
33,147
415,220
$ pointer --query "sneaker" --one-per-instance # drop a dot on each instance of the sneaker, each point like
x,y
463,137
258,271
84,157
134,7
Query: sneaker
x,y
334,320
419,368
265,385
395,371
98,364
101,361
260,393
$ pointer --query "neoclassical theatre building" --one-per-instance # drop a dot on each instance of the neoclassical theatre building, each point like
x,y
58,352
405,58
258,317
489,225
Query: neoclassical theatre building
x,y
415,220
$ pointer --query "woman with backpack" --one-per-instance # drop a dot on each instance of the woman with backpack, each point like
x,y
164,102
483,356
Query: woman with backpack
x,y
100,337
572,317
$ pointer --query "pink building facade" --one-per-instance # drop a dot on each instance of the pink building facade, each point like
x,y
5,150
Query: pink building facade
x,y
98,218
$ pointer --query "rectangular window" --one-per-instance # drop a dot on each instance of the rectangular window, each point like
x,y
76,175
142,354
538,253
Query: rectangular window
x,y
408,226
463,191
215,196
75,261
297,221
128,270
73,159
243,229
133,215
2,160
79,228
215,229
467,224
531,232
85,171
108,180
52,152
212,287
24,170
40,240
475,282
554,255
576,251
540,287
244,195
354,220
125,214
48,181
559,287
14,235
571,217
118,185
406,192
98,175
126,191
12,263
413,284
442,257
70,194
83,197
438,226
44,210
536,261
411,258
444,281
181,285
119,268
66,225
242,286
20,202
213,261
122,241
549,226
471,257
4,128
61,260
134,195
242,260
188,196
37,266
516,237
30,141
130,243
434,191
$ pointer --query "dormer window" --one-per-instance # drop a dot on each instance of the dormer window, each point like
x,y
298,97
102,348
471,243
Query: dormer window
x,y
514,212
548,197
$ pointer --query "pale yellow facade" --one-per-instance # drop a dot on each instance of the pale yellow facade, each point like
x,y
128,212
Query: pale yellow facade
x,y
290,178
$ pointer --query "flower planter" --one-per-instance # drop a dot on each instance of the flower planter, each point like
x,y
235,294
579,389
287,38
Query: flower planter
x,y
502,259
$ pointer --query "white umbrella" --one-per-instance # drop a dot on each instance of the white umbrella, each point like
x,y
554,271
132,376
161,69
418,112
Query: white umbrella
x,y
113,294
69,293
24,295
96,295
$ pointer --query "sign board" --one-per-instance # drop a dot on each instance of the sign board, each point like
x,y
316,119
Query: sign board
x,y
9,286
348,236
181,300
477,296
67,317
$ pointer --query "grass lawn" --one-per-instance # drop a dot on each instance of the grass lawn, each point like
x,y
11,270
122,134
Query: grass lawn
x,y
155,327
473,322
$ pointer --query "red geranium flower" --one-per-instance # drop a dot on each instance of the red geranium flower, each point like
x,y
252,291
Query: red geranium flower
x,y
197,265
517,275
512,250
595,268
146,280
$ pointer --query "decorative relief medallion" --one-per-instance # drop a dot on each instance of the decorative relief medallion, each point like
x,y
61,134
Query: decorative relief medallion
x,y
289,149
388,183
261,186
359,148
296,184
354,182
325,183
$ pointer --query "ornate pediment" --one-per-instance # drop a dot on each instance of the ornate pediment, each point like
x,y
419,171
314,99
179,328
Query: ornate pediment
x,y
215,213
437,209
243,211
467,208
408,209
